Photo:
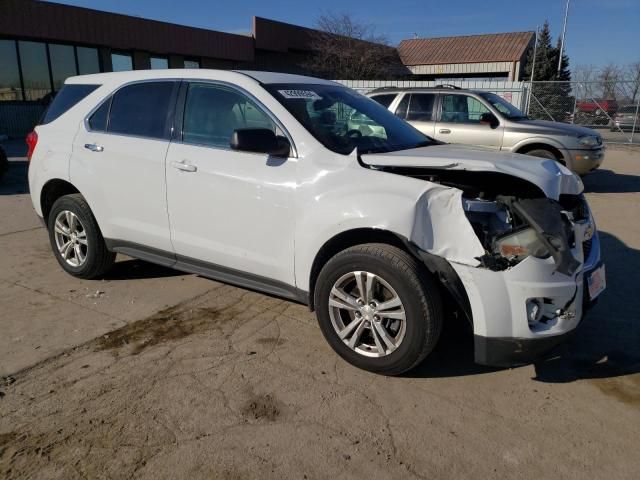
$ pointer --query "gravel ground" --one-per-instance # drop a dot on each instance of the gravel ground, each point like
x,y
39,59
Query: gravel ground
x,y
154,374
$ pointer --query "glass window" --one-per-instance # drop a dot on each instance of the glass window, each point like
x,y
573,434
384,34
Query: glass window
x,y
141,109
502,106
10,88
98,121
88,60
462,109
63,64
403,106
213,112
384,100
191,64
158,63
343,120
121,62
421,107
35,70
65,99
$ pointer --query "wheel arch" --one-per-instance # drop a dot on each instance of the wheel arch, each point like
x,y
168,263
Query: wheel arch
x,y
452,288
543,145
52,191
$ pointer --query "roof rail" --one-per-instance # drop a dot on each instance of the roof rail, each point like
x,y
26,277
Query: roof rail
x,y
448,85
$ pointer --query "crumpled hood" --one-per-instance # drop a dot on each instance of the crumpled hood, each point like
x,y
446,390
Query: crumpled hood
x,y
550,176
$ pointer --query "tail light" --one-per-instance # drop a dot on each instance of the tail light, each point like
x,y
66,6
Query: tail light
x,y
32,140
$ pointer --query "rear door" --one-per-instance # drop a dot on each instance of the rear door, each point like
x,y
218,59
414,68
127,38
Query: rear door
x,y
419,110
118,163
461,120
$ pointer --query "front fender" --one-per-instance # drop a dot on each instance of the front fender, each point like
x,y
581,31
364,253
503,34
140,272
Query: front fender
x,y
428,214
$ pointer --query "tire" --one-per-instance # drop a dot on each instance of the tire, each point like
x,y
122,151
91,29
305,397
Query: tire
x,y
397,275
87,246
542,153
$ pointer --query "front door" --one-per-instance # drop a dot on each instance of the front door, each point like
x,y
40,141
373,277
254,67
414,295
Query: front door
x,y
463,119
228,208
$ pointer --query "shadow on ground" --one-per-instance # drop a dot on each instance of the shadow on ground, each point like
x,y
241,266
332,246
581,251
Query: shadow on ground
x,y
133,269
606,344
14,181
607,181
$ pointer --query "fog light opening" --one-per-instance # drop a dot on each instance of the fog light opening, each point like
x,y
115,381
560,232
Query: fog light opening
x,y
534,311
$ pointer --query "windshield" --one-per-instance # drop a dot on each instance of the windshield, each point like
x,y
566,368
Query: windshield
x,y
343,120
504,107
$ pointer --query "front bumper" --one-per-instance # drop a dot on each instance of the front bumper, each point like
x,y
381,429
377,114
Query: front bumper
x,y
502,333
585,161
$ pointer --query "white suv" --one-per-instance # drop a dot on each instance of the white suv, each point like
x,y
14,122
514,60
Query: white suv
x,y
261,180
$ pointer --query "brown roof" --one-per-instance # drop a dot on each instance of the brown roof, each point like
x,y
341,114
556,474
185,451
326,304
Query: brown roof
x,y
495,47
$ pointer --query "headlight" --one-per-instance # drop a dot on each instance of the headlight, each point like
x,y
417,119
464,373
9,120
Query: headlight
x,y
590,141
520,244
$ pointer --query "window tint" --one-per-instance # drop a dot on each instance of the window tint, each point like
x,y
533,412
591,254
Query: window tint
x,y
384,100
65,99
98,121
141,109
401,110
158,63
35,70
88,60
213,112
421,107
461,109
63,64
10,88
121,62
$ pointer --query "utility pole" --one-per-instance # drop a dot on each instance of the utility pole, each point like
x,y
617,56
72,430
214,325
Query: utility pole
x,y
533,70
564,31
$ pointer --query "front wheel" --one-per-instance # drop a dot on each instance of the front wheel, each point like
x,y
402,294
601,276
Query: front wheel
x,y
378,308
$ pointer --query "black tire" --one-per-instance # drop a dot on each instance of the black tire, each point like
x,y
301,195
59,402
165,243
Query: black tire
x,y
414,285
98,258
4,163
542,153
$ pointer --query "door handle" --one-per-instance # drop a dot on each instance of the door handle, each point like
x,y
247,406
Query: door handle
x,y
183,166
93,147
445,130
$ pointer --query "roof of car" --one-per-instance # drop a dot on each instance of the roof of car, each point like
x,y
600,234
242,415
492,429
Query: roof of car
x,y
199,73
437,88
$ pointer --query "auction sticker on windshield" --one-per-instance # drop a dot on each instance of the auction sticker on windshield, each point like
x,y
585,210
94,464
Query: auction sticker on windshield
x,y
303,94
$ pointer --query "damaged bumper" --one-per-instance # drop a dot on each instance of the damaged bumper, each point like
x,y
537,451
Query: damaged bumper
x,y
505,331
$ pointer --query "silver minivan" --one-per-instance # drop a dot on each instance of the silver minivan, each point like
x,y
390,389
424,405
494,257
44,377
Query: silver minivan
x,y
454,115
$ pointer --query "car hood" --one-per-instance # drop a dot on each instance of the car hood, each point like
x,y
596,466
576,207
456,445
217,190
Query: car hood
x,y
551,177
551,128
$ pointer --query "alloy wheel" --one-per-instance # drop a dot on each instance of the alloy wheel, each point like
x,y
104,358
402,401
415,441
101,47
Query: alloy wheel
x,y
71,238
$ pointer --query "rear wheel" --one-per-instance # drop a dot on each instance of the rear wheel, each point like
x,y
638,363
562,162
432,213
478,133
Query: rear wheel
x,y
378,308
76,239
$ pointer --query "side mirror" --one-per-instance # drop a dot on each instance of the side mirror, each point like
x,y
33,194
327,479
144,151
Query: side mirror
x,y
489,119
259,140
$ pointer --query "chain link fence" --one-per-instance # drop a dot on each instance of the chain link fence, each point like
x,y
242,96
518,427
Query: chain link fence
x,y
612,108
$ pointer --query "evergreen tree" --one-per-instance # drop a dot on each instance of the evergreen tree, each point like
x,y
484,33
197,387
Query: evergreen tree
x,y
549,100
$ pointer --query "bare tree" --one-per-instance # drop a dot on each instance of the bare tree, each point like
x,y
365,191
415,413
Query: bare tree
x,y
608,77
346,49
632,74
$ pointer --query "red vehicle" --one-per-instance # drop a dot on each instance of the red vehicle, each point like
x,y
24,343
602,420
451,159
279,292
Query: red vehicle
x,y
597,106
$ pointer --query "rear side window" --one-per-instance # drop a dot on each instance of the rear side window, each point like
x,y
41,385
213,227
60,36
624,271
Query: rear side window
x,y
384,100
98,121
421,107
65,99
141,109
401,110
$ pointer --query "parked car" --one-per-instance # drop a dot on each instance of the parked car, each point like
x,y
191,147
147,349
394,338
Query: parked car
x,y
627,118
260,180
470,117
4,162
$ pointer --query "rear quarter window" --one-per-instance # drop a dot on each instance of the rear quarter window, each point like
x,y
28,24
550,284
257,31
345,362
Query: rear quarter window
x,y
65,99
384,100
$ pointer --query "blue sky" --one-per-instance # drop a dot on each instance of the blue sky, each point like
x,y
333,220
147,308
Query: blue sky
x,y
598,32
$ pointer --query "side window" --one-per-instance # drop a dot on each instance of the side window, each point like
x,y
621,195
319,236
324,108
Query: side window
x,y
213,112
98,121
141,109
401,109
65,99
384,100
421,107
461,109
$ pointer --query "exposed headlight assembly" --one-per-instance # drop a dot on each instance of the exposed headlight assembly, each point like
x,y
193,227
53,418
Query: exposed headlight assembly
x,y
520,244
590,141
